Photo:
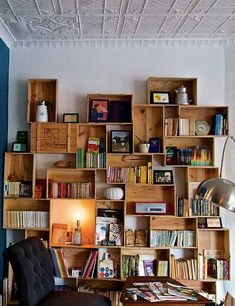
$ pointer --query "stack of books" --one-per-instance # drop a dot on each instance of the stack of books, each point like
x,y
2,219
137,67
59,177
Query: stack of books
x,y
59,263
27,219
72,190
179,238
184,268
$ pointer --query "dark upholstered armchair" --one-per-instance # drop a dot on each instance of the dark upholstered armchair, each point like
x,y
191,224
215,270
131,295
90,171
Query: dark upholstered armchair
x,y
33,272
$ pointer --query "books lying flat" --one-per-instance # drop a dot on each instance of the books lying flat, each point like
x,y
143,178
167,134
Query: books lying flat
x,y
154,292
181,291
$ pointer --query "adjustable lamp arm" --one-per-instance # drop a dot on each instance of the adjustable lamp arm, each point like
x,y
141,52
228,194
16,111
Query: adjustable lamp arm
x,y
222,158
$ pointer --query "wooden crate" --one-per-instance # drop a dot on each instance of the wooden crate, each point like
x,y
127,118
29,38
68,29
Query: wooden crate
x,y
42,90
159,84
54,137
151,119
118,104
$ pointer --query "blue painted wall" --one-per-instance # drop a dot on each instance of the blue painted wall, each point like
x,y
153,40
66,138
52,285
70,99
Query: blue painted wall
x,y
4,77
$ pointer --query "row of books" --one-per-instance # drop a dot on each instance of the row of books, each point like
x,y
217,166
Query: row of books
x,y
18,189
184,268
187,127
59,263
217,268
201,207
27,219
138,174
220,124
178,238
91,263
138,265
197,156
71,190
90,159
179,127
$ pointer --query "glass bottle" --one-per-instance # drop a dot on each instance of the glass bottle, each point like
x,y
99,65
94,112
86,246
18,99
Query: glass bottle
x,y
77,236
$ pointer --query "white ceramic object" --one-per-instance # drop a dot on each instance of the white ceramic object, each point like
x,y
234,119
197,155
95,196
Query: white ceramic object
x,y
113,193
144,147
41,114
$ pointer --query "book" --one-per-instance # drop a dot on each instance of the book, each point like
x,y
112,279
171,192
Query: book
x,y
91,264
110,213
161,291
102,228
116,233
99,110
87,264
162,268
93,145
57,271
141,237
149,267
182,291
59,233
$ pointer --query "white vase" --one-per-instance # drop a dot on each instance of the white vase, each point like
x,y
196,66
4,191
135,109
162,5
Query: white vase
x,y
144,147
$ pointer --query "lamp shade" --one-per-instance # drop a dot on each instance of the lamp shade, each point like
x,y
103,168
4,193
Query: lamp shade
x,y
219,191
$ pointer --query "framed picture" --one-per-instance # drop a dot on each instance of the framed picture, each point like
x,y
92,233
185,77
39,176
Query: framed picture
x,y
159,97
163,177
120,141
71,118
19,147
213,222
99,110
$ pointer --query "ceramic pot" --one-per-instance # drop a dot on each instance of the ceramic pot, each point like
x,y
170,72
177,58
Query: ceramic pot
x,y
144,147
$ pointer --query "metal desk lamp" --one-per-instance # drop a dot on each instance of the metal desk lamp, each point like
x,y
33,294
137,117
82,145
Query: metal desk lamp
x,y
219,191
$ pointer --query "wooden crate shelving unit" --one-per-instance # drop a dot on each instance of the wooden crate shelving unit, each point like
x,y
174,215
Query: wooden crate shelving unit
x,y
143,121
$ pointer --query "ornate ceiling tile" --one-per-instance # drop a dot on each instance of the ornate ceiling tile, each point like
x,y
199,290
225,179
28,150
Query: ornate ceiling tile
x,y
81,22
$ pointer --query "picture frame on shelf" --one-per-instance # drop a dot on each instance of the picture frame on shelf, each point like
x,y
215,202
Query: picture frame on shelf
x,y
159,97
71,118
120,141
163,177
99,110
19,147
213,222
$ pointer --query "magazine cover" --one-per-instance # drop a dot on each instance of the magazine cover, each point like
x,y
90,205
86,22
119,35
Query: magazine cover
x,y
182,291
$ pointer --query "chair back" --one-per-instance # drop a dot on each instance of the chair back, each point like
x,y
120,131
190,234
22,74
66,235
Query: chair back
x,y
33,270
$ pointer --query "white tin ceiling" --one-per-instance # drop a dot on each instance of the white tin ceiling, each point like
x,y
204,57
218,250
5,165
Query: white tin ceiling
x,y
32,22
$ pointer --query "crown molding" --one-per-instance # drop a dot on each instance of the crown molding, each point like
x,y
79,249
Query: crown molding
x,y
122,43
6,36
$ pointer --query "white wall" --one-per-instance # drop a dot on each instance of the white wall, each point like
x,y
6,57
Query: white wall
x,y
230,152
101,70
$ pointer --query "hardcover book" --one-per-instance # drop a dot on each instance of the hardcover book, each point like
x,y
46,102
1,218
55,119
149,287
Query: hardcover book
x,y
59,233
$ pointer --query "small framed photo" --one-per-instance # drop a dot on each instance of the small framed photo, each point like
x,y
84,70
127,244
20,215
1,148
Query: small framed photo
x,y
71,118
159,97
19,147
120,141
163,177
99,110
213,222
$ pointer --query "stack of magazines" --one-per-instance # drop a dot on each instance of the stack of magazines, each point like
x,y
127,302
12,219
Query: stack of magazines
x,y
157,291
